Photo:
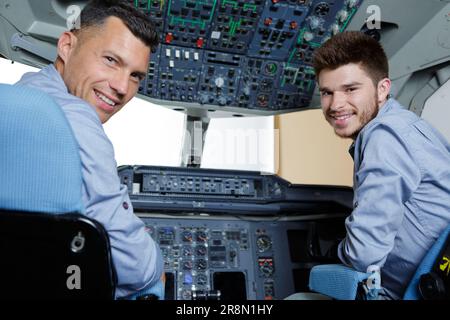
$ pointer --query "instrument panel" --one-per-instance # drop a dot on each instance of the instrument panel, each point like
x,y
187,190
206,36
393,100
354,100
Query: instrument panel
x,y
225,258
242,56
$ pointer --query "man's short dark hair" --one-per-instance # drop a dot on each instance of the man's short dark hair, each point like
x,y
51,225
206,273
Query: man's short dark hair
x,y
96,12
353,47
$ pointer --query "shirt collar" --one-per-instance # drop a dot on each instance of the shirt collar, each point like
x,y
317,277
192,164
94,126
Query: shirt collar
x,y
52,73
389,105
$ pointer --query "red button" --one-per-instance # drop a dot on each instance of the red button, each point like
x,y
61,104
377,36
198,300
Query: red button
x,y
169,37
200,43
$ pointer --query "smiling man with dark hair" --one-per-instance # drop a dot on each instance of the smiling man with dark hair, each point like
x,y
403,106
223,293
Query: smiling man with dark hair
x,y
97,72
402,164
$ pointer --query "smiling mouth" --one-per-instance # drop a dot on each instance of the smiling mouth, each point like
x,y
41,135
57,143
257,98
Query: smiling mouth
x,y
342,119
105,99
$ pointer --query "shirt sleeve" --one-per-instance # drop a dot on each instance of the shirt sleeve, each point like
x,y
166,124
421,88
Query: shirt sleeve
x,y
136,257
384,181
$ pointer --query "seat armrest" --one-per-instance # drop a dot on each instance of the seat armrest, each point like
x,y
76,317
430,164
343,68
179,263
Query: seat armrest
x,y
155,292
336,281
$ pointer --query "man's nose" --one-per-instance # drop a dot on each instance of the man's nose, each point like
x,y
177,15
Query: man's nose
x,y
339,101
120,83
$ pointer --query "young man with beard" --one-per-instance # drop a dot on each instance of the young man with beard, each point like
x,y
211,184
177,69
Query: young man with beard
x,y
97,71
401,164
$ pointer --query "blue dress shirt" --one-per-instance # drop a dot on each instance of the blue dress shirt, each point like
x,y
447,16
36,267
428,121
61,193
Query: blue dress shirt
x,y
401,196
136,257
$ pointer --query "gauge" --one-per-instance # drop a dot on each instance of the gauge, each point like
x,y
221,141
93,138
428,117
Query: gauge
x,y
187,251
201,236
187,265
266,85
186,236
186,294
263,100
201,279
264,243
200,250
271,68
201,264
322,9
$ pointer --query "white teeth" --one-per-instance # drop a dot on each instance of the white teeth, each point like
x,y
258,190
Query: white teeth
x,y
105,99
345,116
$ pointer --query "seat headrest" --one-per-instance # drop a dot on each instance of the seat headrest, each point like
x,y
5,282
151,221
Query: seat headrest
x,y
40,167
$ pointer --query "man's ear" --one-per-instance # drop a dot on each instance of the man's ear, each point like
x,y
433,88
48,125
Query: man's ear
x,y
66,45
384,87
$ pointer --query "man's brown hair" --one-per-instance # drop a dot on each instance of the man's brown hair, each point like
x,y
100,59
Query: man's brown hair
x,y
352,47
95,13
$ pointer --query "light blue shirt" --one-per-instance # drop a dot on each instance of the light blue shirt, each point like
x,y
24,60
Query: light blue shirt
x,y
401,196
136,257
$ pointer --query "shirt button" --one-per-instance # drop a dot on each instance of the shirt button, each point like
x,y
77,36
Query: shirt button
x,y
125,205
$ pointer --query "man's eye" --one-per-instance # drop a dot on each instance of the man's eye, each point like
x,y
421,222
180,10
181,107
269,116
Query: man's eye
x,y
136,77
110,60
325,93
351,89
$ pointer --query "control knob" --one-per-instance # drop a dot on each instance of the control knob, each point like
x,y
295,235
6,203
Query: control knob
x,y
219,82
